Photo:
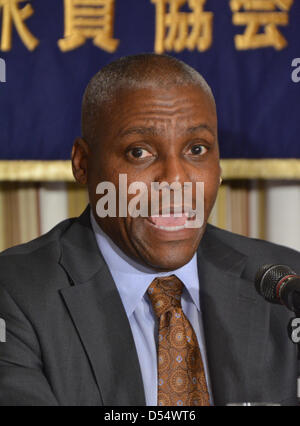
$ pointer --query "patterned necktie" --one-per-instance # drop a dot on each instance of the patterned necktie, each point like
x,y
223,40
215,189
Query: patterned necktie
x,y
181,376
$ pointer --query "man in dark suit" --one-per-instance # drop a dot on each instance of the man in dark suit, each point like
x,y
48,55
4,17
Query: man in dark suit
x,y
83,318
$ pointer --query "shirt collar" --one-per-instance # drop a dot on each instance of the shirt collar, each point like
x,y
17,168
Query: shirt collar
x,y
133,279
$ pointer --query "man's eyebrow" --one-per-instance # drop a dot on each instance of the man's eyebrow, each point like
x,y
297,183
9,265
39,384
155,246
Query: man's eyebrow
x,y
195,129
154,131
150,131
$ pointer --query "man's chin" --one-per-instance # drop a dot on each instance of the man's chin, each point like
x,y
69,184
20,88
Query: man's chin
x,y
168,261
165,251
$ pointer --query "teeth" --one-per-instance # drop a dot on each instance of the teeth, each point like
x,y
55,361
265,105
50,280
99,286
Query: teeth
x,y
170,228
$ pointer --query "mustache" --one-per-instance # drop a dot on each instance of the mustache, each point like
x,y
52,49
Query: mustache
x,y
173,210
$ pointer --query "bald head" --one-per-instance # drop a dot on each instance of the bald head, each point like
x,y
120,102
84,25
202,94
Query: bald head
x,y
134,72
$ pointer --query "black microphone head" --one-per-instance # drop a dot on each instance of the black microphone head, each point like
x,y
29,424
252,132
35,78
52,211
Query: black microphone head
x,y
267,278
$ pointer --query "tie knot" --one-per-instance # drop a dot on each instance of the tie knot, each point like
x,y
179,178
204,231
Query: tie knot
x,y
165,294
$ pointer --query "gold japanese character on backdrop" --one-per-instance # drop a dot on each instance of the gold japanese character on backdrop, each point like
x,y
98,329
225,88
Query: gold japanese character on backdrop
x,y
177,30
89,19
12,14
261,15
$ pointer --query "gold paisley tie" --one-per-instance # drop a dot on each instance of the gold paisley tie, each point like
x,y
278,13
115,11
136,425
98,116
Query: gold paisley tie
x,y
181,376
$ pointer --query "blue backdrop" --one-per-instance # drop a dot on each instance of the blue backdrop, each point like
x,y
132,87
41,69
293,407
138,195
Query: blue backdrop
x,y
258,103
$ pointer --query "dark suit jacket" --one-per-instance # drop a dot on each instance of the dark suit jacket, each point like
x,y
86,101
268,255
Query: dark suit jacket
x,y
69,341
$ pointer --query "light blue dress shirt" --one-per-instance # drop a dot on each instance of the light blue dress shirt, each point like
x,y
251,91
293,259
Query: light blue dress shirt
x,y
132,281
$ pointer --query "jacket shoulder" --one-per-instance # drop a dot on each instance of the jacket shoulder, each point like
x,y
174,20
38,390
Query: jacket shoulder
x,y
26,263
38,243
259,252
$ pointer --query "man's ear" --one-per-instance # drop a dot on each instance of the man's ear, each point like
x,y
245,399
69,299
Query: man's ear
x,y
80,154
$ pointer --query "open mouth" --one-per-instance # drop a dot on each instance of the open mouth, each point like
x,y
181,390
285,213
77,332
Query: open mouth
x,y
171,223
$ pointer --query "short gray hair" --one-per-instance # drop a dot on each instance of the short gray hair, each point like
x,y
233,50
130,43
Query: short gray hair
x,y
134,71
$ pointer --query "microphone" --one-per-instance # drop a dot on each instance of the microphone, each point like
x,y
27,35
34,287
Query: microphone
x,y
279,284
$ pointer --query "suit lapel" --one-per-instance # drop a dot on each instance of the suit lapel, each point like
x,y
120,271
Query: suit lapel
x,y
96,309
235,322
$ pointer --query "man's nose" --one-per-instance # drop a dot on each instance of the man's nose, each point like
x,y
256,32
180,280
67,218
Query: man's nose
x,y
173,169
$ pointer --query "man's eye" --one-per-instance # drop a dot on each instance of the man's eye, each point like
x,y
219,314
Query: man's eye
x,y
198,149
139,153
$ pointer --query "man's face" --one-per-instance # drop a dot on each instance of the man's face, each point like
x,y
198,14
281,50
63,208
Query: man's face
x,y
155,135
